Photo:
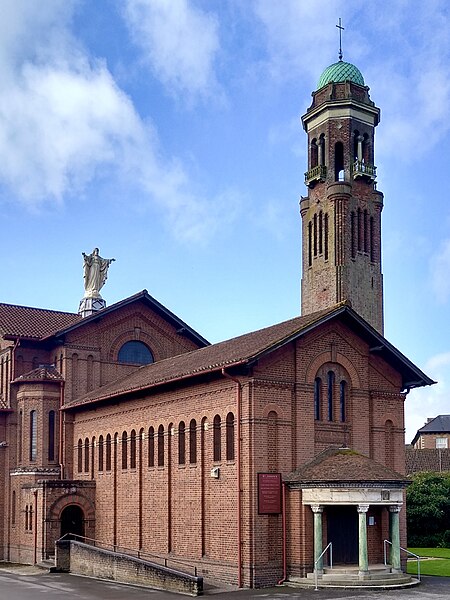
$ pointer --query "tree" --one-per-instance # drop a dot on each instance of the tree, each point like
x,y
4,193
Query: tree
x,y
428,510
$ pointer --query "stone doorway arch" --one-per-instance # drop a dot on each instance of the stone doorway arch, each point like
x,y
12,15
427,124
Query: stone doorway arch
x,y
72,521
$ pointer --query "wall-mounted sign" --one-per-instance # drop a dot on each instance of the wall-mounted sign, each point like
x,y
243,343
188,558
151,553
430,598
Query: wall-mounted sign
x,y
269,493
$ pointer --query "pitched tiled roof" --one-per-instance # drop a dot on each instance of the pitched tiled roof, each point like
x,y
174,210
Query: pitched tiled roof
x,y
247,348
343,465
440,424
42,373
427,459
236,351
29,322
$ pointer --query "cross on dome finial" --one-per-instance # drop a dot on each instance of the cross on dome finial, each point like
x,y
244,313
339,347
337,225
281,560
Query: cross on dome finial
x,y
341,29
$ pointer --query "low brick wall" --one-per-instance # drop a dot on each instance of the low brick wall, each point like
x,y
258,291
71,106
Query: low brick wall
x,y
82,559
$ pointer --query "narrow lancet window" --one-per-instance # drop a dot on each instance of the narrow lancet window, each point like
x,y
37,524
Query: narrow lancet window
x,y
317,398
330,394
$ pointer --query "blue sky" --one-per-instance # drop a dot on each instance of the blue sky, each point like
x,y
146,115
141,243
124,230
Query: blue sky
x,y
168,134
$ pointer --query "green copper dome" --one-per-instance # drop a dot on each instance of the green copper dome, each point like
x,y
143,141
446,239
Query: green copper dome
x,y
340,71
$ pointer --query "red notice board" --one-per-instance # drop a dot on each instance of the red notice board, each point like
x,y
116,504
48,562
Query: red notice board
x,y
269,493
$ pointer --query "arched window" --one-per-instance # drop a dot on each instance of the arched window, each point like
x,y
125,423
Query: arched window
x,y
372,249
320,232
20,434
230,436
151,447
80,455
108,452
141,448
356,155
342,400
321,145
133,449
330,394
317,398
314,153
136,353
86,455
51,435
339,161
325,227
193,442
315,234
352,233
33,436
217,441
181,443
161,446
100,453
309,243
124,450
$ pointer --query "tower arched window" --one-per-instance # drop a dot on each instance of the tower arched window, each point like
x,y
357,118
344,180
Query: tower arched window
x,y
342,400
193,441
371,242
124,450
317,398
151,447
161,446
86,455
310,243
330,377
33,435
339,161
321,145
108,452
320,232
133,449
314,153
217,441
136,353
353,234
315,234
181,443
80,455
325,230
366,232
358,232
230,436
356,155
51,435
366,149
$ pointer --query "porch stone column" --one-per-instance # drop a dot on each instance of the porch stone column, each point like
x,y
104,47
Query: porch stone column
x,y
317,510
363,556
394,533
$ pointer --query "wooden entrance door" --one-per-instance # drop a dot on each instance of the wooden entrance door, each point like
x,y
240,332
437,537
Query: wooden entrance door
x,y
342,531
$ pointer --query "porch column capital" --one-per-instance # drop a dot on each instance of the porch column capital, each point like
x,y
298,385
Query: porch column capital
x,y
317,508
395,508
363,508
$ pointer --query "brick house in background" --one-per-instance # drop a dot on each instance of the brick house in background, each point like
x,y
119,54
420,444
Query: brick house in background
x,y
242,458
434,434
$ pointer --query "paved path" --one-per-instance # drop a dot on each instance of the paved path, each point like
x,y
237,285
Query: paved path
x,y
28,583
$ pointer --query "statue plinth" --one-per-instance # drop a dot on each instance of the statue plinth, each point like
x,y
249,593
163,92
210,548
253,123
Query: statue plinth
x,y
89,306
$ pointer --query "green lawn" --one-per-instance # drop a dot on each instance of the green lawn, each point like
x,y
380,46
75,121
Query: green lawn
x,y
441,566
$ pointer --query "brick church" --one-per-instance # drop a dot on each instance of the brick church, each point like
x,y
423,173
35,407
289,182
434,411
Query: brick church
x,y
243,458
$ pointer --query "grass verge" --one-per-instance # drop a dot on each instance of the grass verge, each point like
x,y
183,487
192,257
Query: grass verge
x,y
440,565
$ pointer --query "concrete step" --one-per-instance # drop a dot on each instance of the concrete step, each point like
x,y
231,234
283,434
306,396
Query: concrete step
x,y
48,564
394,580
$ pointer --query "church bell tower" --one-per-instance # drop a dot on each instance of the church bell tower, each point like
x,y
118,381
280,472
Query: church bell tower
x,y
341,215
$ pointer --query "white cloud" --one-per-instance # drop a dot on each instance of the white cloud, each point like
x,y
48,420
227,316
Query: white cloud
x,y
64,123
429,401
179,43
440,270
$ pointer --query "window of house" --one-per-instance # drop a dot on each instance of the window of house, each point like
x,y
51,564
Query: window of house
x,y
161,446
193,442
441,442
217,442
51,435
230,436
151,447
135,352
124,450
181,443
33,435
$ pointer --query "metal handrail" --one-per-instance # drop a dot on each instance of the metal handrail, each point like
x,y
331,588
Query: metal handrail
x,y
130,551
404,550
330,546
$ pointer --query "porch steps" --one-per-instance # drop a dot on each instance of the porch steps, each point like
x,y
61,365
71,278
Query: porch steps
x,y
379,577
48,564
